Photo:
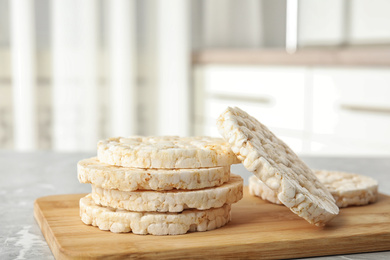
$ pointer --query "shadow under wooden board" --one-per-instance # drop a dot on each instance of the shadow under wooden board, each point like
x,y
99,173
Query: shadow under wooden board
x,y
258,230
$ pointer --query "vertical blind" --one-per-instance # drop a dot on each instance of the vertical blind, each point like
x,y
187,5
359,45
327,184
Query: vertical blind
x,y
85,34
119,67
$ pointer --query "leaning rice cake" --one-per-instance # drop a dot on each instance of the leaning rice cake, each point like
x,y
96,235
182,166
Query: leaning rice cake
x,y
274,163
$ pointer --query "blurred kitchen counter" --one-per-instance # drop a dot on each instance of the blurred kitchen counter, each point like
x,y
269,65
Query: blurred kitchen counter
x,y
27,176
355,56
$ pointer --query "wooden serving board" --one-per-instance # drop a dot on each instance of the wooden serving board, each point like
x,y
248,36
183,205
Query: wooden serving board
x,y
258,230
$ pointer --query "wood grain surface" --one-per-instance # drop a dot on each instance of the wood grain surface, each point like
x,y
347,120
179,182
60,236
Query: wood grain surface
x,y
258,230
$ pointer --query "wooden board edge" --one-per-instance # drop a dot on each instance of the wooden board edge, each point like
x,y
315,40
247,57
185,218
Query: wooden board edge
x,y
51,240
253,251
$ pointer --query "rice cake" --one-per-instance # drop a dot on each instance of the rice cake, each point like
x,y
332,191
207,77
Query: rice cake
x,y
166,152
274,163
171,201
348,189
152,222
259,189
130,179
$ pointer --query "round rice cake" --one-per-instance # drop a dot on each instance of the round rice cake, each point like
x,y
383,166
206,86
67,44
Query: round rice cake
x,y
274,163
259,189
130,179
171,201
166,152
152,222
348,189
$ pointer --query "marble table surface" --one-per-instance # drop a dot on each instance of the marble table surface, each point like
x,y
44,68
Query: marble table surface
x,y
27,176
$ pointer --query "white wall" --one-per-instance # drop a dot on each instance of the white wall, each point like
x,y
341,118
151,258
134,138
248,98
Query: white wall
x,y
315,110
320,22
343,22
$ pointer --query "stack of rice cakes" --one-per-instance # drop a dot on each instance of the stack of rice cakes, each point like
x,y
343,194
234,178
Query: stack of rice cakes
x,y
160,185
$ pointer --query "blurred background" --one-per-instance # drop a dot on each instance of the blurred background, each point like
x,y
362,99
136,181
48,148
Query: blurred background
x,y
316,72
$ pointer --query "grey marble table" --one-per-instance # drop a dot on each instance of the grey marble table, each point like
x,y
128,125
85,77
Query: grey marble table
x,y
27,176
